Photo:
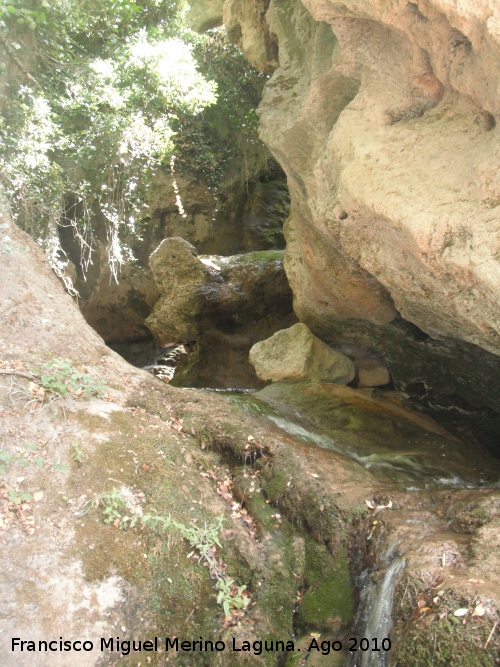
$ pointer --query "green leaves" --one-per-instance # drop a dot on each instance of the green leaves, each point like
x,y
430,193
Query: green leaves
x,y
77,452
18,497
5,459
62,378
106,93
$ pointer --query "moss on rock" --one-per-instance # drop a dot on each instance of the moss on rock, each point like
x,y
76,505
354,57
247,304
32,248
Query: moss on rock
x,y
328,601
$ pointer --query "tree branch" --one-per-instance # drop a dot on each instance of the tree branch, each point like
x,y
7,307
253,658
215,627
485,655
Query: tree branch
x,y
23,374
17,62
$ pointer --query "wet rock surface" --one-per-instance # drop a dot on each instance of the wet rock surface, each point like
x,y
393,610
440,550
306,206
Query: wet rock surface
x,y
380,431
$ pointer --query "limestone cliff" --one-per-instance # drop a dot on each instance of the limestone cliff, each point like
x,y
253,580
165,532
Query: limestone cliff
x,y
382,115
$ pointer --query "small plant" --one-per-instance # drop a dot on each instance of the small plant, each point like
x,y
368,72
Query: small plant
x,y
22,460
39,461
59,466
205,539
114,504
231,595
5,459
60,377
18,497
77,452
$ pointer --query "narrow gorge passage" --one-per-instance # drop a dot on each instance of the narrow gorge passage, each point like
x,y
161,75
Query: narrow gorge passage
x,y
250,333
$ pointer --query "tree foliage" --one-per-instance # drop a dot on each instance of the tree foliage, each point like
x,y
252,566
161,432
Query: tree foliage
x,y
100,94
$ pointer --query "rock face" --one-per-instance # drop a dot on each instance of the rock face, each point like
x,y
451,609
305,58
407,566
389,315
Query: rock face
x,y
221,306
245,27
297,354
117,310
383,119
372,373
383,115
205,15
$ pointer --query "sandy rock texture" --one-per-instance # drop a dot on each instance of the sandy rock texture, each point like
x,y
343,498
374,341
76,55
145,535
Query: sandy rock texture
x,y
205,15
383,117
372,373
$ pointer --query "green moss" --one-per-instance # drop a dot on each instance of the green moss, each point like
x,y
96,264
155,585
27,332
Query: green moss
x,y
277,587
259,256
178,592
328,601
315,658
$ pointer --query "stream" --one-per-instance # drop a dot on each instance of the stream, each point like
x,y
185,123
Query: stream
x,y
385,438
414,462
404,450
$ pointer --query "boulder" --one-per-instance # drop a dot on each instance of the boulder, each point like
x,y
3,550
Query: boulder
x,y
296,353
179,276
384,117
372,372
220,306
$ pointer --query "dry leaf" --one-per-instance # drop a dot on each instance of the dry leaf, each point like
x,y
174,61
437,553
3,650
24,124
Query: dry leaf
x,y
479,610
384,507
461,612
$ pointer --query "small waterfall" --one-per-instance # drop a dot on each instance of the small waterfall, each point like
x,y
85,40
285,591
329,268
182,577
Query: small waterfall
x,y
374,617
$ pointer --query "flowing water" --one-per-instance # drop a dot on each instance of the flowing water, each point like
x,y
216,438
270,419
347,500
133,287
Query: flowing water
x,y
387,440
404,450
374,617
